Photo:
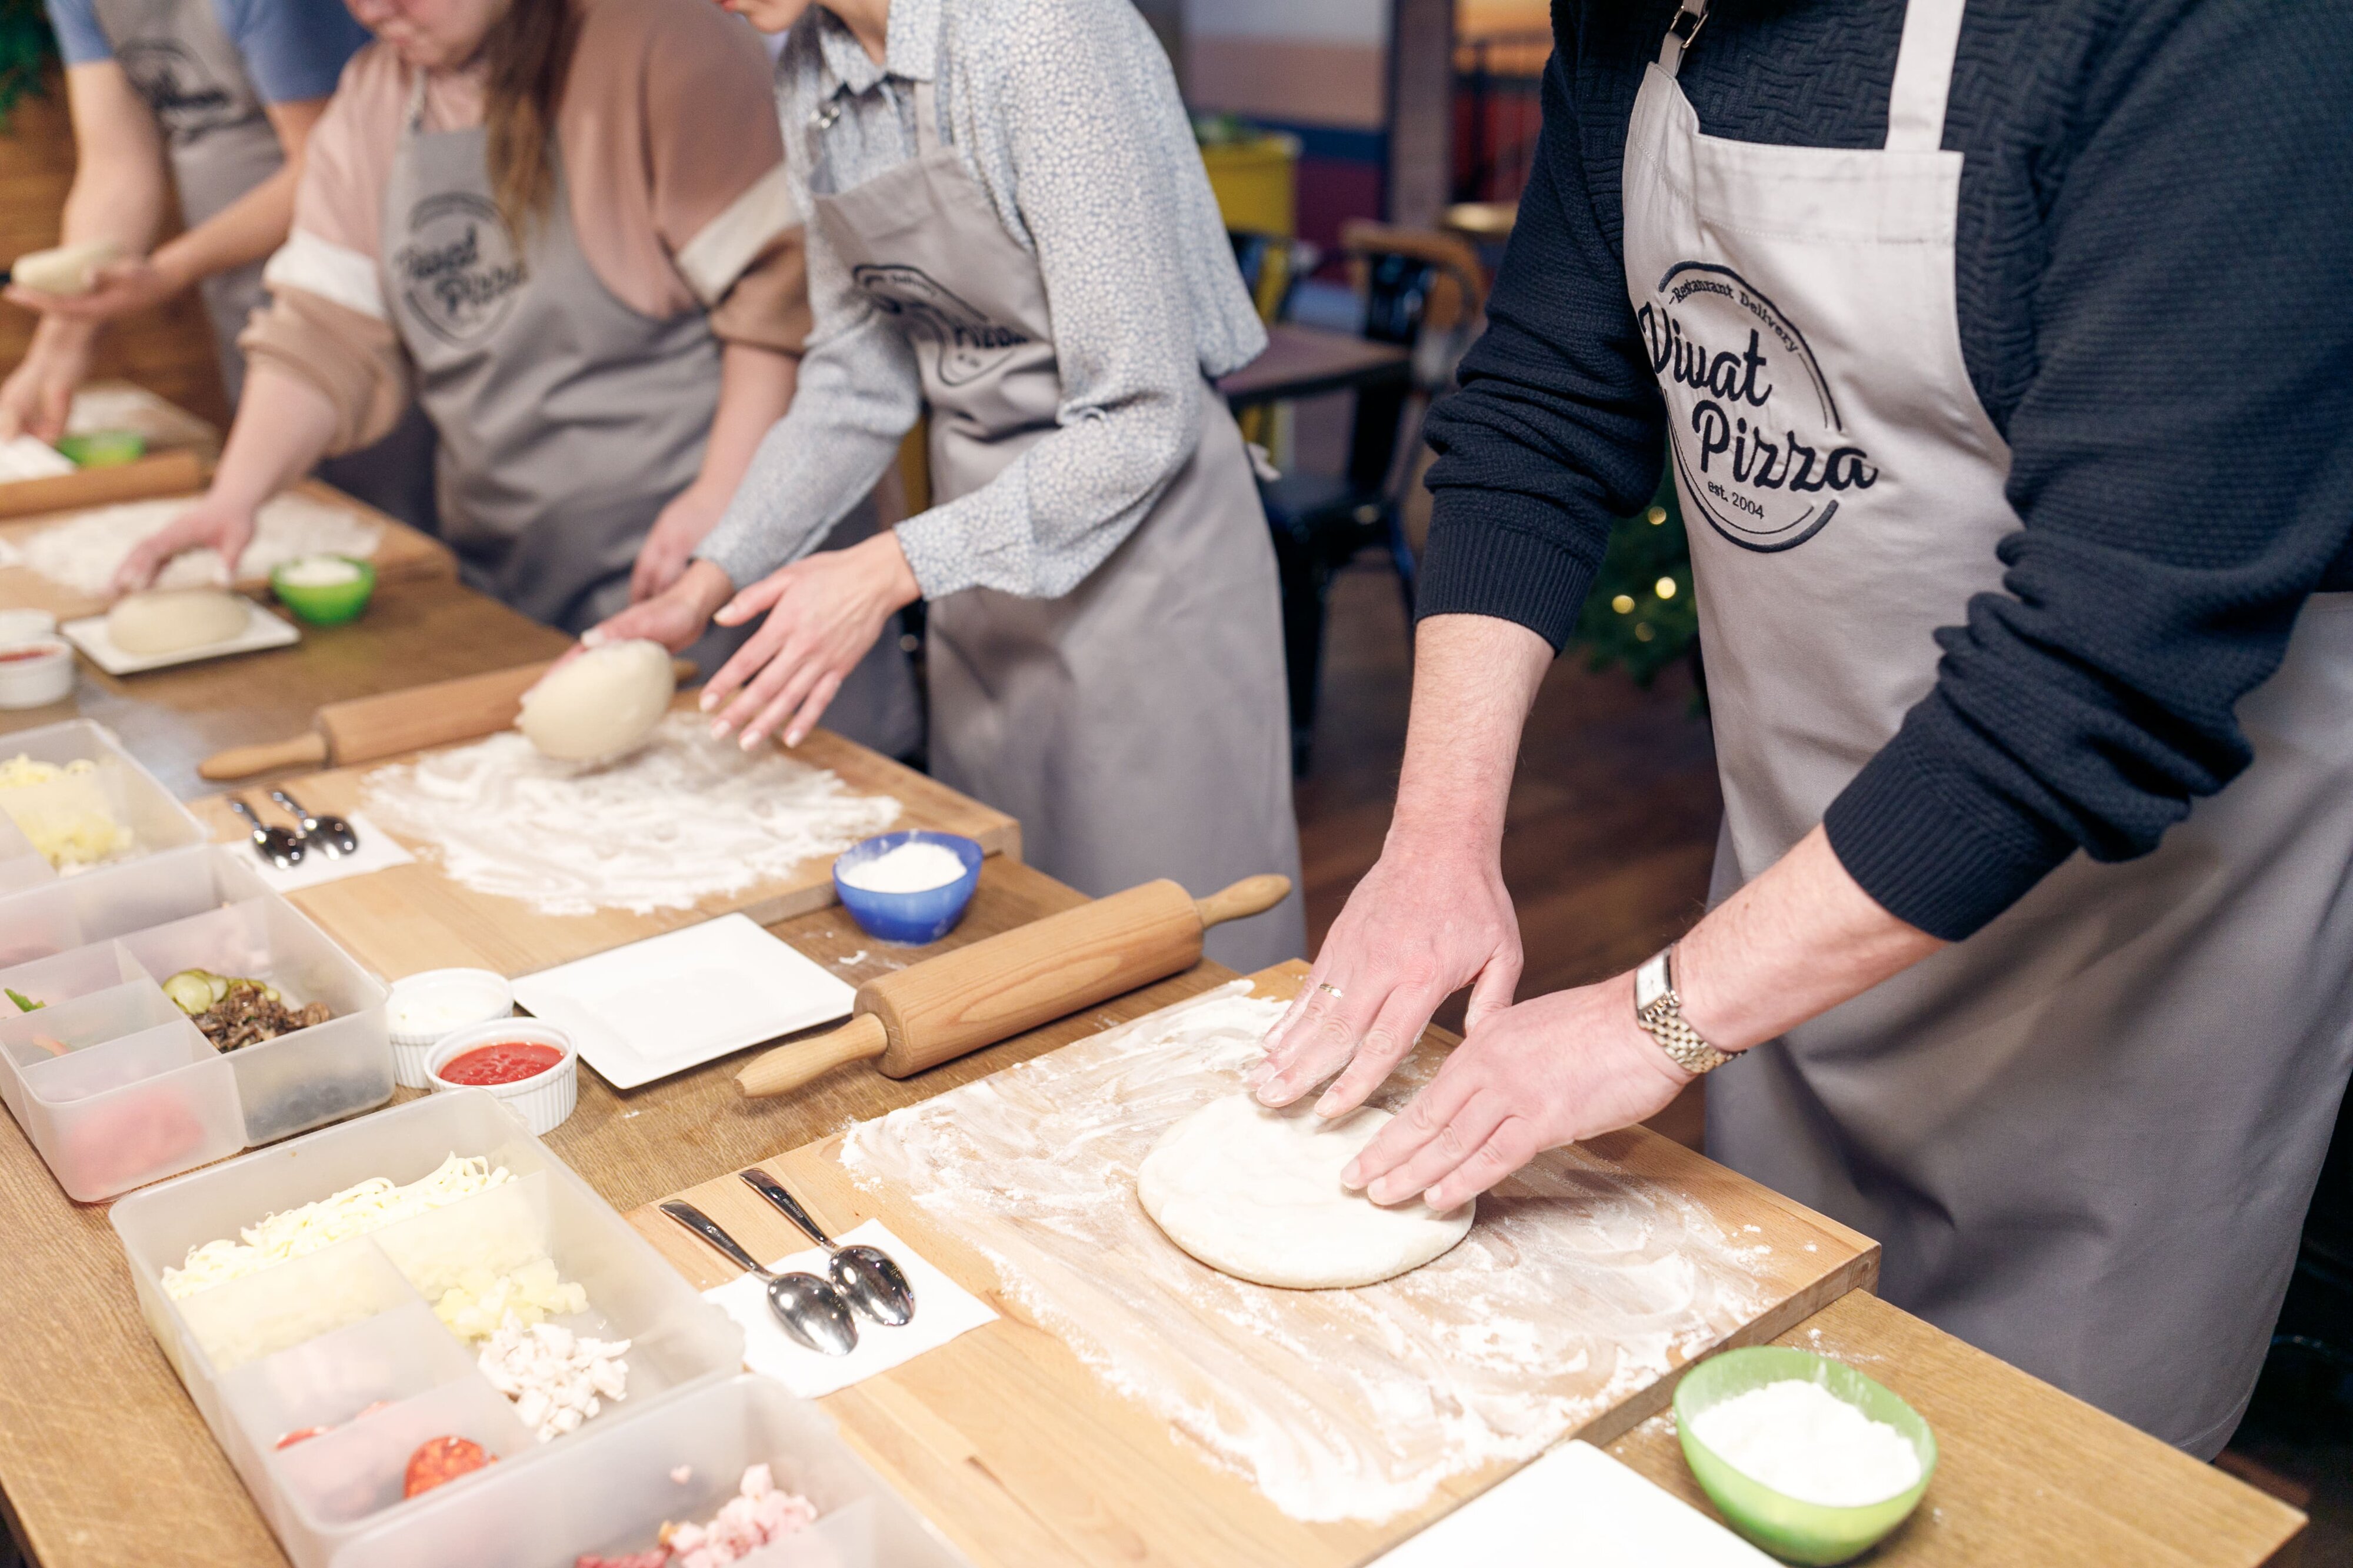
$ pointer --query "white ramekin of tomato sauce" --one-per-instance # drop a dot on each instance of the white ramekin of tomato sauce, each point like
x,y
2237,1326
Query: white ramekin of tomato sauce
x,y
529,1066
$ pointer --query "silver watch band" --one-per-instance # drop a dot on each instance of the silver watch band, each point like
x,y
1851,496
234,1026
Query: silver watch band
x,y
1660,1011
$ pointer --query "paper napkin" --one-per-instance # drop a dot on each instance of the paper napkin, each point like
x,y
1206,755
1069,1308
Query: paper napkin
x,y
943,1310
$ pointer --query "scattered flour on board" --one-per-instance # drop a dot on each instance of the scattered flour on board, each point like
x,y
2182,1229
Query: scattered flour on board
x,y
683,819
1579,1284
1803,1441
83,550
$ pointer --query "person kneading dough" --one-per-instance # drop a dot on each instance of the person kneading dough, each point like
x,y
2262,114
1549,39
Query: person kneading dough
x,y
565,227
1010,228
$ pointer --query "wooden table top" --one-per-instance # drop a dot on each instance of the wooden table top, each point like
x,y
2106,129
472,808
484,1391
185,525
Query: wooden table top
x,y
1303,362
413,632
105,1462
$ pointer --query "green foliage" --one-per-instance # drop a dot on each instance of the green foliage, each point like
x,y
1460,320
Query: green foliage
x,y
1627,620
26,48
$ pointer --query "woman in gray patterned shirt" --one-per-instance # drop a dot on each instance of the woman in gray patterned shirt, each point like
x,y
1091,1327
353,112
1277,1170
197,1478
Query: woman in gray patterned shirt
x,y
1009,229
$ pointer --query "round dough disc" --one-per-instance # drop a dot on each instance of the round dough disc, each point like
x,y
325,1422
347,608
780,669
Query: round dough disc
x,y
601,704
172,620
1256,1194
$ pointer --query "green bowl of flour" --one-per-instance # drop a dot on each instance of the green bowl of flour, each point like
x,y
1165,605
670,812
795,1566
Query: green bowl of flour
x,y
1803,1454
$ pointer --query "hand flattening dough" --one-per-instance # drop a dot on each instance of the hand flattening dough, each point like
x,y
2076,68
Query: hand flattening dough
x,y
601,704
1256,1194
173,620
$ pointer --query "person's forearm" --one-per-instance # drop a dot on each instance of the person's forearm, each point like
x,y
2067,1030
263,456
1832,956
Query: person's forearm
x,y
247,230
755,388
284,426
1795,943
1475,678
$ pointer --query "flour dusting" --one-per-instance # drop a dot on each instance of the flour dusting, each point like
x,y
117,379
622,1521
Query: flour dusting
x,y
682,819
84,551
1578,1285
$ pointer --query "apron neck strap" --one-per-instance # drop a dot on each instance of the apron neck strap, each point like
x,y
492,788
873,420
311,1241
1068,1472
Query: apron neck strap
x,y
927,119
412,120
1680,33
1923,76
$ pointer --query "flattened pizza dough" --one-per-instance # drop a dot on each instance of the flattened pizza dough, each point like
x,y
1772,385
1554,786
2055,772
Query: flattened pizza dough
x,y
1256,1194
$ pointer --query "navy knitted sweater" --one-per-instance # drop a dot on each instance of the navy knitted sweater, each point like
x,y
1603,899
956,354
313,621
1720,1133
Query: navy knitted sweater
x,y
2155,276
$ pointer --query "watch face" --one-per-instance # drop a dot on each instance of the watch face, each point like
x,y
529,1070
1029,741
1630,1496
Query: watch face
x,y
1651,981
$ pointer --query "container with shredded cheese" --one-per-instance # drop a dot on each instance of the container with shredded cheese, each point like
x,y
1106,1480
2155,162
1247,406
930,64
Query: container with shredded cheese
x,y
66,811
356,1210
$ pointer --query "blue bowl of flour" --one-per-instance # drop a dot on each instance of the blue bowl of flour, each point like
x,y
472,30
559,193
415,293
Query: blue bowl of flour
x,y
869,880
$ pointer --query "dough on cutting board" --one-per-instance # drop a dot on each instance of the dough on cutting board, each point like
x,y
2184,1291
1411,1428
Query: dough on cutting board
x,y
1256,1194
602,704
172,620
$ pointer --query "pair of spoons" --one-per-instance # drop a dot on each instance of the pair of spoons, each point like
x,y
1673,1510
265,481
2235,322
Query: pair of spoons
x,y
285,848
816,1313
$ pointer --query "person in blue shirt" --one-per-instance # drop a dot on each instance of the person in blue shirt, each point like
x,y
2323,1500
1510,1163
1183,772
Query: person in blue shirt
x,y
210,101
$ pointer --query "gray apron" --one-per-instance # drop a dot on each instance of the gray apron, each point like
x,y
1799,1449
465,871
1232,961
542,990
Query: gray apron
x,y
566,419
218,137
1137,725
2087,1135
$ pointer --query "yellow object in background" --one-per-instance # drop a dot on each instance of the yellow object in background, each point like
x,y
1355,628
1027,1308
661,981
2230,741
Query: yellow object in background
x,y
1256,182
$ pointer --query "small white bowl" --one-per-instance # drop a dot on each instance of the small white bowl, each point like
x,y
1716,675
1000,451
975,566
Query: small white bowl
x,y
34,672
455,999
540,1103
25,626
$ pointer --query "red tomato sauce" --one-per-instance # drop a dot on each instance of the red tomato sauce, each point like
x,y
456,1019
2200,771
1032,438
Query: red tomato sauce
x,y
501,1061
16,655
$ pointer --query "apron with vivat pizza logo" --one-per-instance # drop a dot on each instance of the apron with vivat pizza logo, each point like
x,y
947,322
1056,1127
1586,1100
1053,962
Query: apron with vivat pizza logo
x,y
2086,1136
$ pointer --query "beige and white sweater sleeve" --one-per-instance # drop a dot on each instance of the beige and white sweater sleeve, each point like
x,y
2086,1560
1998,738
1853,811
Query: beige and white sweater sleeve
x,y
326,324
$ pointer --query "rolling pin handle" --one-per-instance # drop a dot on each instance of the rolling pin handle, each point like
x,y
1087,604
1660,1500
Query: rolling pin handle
x,y
787,1067
1250,896
306,749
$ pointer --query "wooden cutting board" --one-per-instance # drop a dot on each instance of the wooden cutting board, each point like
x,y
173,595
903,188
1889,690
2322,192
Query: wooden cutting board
x,y
1024,1458
408,918
402,554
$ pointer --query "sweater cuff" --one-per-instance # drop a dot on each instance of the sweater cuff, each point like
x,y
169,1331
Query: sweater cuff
x,y
1491,552
1932,847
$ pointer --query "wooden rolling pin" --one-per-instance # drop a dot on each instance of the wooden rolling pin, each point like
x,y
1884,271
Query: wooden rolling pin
x,y
365,729
940,1009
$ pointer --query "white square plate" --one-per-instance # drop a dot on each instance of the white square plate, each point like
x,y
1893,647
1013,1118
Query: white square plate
x,y
262,630
685,998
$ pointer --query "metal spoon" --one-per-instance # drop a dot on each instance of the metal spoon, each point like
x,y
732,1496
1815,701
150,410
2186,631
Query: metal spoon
x,y
274,845
810,1310
335,834
870,1278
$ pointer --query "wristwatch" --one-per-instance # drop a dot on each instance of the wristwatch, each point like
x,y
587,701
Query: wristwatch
x,y
1661,1012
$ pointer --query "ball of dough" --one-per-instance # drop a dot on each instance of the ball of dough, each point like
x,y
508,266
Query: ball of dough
x,y
1256,1194
67,269
172,620
601,704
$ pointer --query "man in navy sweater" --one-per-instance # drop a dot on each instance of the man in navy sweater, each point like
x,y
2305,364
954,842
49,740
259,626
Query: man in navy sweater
x,y
2003,360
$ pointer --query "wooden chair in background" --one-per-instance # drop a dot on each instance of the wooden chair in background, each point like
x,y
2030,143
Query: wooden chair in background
x,y
1424,292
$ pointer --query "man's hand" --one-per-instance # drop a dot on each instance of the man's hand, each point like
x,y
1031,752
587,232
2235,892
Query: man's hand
x,y
1421,925
824,612
213,522
671,542
1433,916
1570,1064
673,617
121,289
38,393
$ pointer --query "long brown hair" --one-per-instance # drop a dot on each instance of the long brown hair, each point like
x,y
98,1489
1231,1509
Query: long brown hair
x,y
526,52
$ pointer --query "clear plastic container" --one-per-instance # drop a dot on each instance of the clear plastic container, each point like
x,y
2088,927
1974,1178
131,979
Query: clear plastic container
x,y
325,1337
118,787
608,1490
93,950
